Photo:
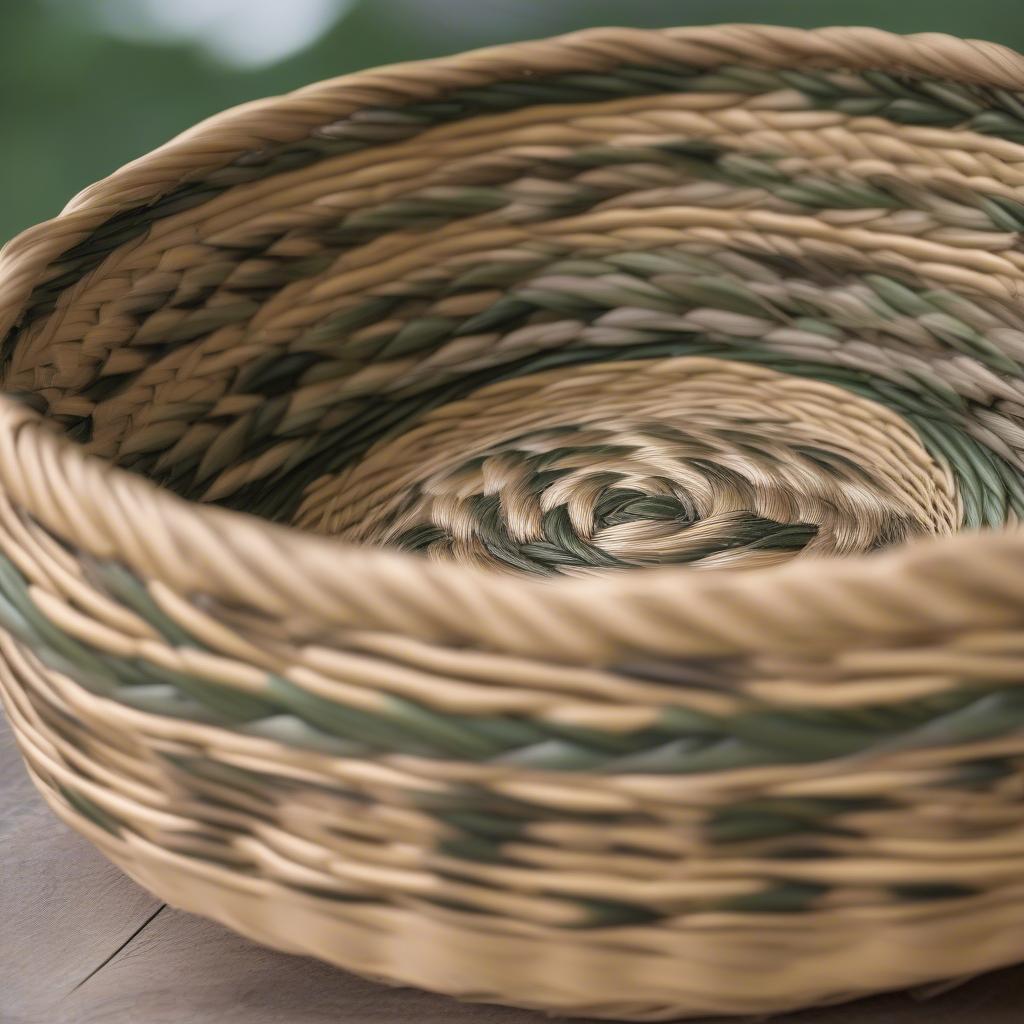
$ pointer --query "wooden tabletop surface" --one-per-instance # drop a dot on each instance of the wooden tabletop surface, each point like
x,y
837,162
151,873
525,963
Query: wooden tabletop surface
x,y
82,944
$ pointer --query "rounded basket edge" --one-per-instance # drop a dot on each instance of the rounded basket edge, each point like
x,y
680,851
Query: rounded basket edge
x,y
930,593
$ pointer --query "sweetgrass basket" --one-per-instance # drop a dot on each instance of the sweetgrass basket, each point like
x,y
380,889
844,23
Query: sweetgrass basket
x,y
333,423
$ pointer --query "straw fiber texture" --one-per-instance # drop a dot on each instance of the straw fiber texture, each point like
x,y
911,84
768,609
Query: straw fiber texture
x,y
543,525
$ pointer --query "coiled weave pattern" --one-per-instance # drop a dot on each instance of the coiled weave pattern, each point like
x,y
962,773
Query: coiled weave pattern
x,y
344,438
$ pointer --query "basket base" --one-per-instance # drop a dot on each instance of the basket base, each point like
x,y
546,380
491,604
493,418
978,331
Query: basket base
x,y
577,974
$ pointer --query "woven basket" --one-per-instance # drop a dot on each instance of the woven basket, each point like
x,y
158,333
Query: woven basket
x,y
334,422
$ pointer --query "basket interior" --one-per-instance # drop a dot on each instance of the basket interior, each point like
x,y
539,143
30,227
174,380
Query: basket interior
x,y
574,323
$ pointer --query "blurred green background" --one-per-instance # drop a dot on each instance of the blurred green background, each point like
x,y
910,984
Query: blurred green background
x,y
90,84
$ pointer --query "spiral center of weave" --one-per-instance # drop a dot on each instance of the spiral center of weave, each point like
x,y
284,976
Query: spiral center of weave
x,y
635,464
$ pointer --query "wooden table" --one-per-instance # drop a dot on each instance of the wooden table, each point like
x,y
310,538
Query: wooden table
x,y
82,944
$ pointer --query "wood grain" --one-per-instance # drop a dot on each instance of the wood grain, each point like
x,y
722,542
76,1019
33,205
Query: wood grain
x,y
82,944
63,907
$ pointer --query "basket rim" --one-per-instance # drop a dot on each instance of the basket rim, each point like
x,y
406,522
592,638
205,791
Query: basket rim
x,y
317,582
